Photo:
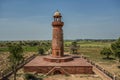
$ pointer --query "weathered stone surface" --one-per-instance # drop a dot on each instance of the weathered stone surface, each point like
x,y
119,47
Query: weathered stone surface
x,y
76,66
57,39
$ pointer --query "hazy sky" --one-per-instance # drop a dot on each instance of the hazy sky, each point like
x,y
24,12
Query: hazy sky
x,y
83,19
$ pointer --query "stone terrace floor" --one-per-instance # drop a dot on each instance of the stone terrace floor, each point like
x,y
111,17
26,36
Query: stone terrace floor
x,y
39,61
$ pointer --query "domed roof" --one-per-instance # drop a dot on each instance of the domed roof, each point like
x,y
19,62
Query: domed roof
x,y
57,13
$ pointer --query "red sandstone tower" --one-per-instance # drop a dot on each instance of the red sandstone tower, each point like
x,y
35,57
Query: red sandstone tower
x,y
58,63
57,39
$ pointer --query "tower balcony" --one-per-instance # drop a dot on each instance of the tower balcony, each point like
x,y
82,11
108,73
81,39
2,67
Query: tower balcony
x,y
57,23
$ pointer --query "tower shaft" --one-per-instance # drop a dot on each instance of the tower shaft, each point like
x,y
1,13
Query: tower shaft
x,y
57,42
57,38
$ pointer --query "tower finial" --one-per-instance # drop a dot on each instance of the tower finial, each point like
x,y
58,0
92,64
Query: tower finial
x,y
57,13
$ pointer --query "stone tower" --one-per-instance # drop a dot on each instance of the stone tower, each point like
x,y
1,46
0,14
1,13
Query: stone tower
x,y
57,38
58,63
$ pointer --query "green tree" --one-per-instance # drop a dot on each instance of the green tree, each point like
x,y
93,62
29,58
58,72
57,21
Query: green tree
x,y
15,57
74,47
107,52
116,48
40,50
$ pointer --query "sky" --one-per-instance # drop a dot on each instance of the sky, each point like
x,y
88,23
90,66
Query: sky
x,y
83,19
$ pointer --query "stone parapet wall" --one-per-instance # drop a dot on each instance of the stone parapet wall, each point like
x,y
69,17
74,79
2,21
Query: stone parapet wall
x,y
68,69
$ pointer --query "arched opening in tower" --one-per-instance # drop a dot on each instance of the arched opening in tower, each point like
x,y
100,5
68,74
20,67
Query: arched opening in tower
x,y
57,53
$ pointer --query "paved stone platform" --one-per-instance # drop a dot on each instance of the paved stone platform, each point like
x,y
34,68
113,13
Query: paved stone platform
x,y
76,66
39,61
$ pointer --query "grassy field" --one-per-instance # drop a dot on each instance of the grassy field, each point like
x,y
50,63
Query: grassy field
x,y
90,49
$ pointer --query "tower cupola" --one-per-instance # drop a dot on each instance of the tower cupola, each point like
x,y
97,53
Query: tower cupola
x,y
57,16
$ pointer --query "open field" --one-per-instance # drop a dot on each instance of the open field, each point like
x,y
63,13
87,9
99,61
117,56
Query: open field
x,y
89,49
92,52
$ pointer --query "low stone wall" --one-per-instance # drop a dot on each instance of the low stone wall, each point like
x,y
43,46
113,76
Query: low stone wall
x,y
79,69
68,69
112,76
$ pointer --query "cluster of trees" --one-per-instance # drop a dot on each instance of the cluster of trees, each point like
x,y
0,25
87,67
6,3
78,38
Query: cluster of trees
x,y
74,47
44,47
34,43
97,40
24,43
16,57
27,45
113,50
16,54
